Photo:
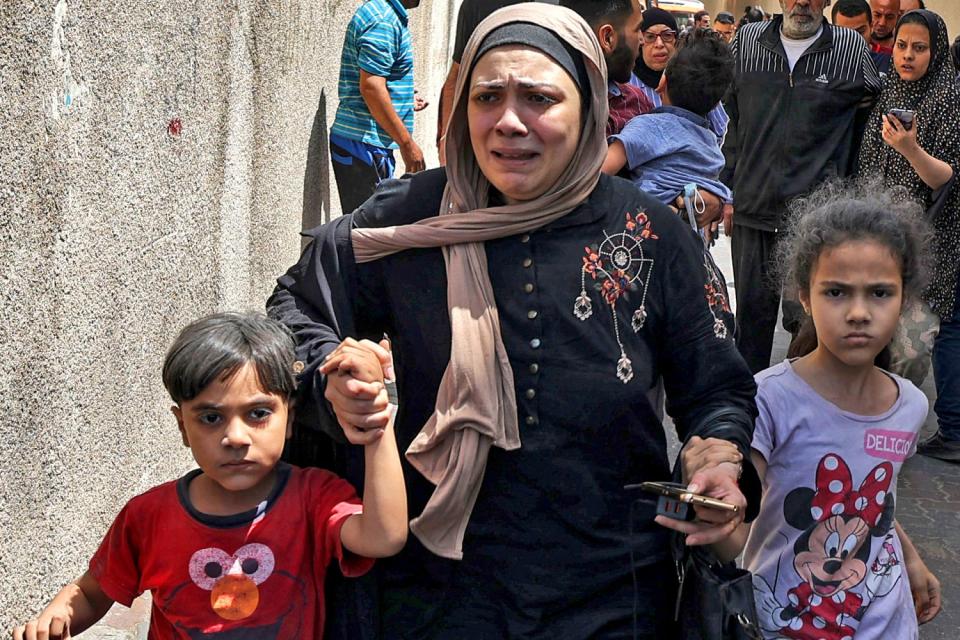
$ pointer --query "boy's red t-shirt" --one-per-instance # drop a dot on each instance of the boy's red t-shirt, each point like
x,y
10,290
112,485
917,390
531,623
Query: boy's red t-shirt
x,y
258,574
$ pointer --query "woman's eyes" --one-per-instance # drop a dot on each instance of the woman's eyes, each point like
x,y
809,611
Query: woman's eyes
x,y
539,98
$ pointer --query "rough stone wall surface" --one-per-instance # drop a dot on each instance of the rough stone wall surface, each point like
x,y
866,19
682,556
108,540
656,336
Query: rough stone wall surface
x,y
157,160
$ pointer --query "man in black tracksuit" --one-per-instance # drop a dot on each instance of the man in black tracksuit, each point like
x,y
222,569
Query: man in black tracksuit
x,y
800,96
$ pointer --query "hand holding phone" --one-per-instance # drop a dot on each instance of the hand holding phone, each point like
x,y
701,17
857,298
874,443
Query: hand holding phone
x,y
905,116
671,491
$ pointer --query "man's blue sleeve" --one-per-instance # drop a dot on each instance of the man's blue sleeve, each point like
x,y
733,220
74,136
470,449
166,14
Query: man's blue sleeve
x,y
378,48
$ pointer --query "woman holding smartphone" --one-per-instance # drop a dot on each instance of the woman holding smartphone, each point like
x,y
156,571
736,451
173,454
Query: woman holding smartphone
x,y
923,157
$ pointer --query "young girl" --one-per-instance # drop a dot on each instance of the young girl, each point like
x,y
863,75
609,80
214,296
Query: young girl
x,y
828,557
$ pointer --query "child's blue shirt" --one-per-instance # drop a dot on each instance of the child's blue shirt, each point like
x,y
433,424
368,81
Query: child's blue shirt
x,y
671,147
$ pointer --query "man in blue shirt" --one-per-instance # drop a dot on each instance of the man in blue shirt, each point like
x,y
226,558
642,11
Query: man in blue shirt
x,y
375,114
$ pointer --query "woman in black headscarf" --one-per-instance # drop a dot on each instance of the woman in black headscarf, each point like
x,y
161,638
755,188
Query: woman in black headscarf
x,y
532,304
658,45
923,157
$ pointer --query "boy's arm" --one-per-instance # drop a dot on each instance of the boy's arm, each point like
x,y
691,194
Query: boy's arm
x,y
381,530
729,548
616,158
78,606
923,584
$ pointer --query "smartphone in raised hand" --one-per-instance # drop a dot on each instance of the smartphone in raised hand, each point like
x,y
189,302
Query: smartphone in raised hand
x,y
905,116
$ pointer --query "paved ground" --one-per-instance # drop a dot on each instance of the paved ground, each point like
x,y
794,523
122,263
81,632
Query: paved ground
x,y
929,502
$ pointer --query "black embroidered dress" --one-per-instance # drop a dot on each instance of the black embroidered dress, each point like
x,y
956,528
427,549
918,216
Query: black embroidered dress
x,y
593,309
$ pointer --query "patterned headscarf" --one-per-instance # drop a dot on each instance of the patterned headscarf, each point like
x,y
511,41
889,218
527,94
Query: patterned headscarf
x,y
936,99
476,402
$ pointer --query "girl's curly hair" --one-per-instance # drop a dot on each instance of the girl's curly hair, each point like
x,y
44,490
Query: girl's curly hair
x,y
859,210
855,210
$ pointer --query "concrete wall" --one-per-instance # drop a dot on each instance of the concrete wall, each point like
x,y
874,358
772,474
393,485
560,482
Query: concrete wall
x,y
949,9
157,161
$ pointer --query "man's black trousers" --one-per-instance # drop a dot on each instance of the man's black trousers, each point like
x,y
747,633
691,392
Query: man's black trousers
x,y
757,281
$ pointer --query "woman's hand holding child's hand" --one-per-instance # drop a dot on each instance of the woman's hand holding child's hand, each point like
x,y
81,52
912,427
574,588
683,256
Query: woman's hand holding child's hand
x,y
355,372
711,467
699,454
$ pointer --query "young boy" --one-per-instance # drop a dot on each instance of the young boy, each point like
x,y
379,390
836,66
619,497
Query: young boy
x,y
673,146
239,547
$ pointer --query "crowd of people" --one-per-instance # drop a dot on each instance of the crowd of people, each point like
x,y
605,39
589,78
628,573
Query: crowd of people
x,y
485,351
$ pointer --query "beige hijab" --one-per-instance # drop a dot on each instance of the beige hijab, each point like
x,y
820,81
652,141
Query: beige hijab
x,y
476,405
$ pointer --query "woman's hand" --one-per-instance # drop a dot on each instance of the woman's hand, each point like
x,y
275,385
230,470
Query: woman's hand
x,y
712,208
933,172
355,373
710,467
700,454
712,525
904,141
925,588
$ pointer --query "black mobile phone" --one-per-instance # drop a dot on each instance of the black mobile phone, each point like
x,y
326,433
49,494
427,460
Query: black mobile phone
x,y
905,116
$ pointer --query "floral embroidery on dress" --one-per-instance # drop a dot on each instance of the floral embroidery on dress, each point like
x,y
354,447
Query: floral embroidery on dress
x,y
617,267
716,297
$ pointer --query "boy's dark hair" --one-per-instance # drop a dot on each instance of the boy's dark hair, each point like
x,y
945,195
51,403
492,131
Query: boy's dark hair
x,y
598,12
218,345
851,9
699,74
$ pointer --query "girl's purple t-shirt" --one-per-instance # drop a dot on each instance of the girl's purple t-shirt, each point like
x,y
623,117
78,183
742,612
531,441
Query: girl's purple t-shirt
x,y
826,560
